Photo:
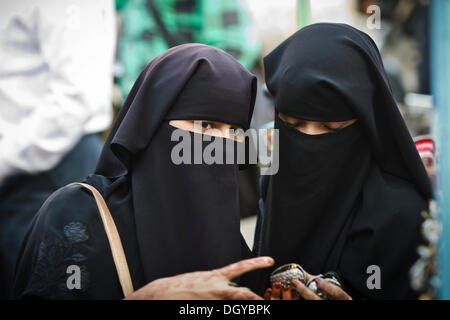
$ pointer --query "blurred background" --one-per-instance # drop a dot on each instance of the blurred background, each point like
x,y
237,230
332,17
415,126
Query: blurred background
x,y
67,66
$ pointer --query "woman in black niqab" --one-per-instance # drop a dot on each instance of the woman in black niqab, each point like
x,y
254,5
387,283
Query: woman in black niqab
x,y
346,200
171,218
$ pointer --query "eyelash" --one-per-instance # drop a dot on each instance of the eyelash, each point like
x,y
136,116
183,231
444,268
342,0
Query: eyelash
x,y
294,125
331,129
210,125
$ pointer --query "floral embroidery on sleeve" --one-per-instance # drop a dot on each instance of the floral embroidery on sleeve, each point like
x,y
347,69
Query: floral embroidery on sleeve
x,y
56,252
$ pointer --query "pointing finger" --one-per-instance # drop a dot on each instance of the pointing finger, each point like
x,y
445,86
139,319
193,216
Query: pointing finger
x,y
244,294
239,268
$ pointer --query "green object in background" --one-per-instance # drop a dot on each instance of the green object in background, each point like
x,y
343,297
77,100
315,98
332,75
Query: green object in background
x,y
440,86
303,13
223,24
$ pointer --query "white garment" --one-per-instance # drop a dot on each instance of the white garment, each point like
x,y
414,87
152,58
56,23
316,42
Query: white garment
x,y
56,73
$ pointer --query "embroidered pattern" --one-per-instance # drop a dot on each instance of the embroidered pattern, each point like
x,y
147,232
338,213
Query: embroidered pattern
x,y
55,254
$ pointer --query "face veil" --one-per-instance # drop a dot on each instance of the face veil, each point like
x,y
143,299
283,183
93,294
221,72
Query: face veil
x,y
313,192
187,215
338,197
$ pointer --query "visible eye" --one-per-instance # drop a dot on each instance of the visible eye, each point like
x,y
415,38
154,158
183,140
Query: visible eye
x,y
206,125
291,123
330,128
294,125
336,126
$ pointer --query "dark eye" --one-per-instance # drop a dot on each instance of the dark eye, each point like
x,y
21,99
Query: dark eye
x,y
293,125
330,128
206,125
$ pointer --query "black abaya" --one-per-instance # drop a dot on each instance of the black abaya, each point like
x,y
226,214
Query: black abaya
x,y
346,200
171,218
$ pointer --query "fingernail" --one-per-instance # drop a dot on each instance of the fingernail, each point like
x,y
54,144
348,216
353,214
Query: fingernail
x,y
319,281
277,285
268,260
294,283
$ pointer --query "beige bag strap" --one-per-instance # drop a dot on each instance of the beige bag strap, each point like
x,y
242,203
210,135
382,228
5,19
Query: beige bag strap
x,y
114,240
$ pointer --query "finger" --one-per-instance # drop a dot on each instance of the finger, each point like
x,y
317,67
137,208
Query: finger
x,y
236,269
303,291
276,291
268,294
286,294
308,276
242,294
295,295
332,290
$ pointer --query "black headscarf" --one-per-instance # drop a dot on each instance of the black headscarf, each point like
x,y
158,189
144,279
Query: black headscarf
x,y
345,200
187,216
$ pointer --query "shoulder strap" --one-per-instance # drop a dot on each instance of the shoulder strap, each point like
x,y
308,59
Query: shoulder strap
x,y
114,240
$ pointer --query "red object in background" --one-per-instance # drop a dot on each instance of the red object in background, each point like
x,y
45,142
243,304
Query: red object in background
x,y
366,4
427,151
426,148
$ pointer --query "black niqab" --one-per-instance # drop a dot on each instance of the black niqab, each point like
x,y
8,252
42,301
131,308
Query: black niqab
x,y
171,218
187,216
346,200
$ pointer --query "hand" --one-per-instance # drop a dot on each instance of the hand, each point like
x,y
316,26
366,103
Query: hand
x,y
203,285
333,291
278,292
